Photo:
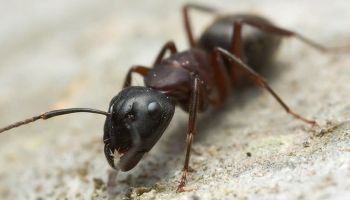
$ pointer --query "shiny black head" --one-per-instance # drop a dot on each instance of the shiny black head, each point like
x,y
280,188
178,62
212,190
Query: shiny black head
x,y
139,116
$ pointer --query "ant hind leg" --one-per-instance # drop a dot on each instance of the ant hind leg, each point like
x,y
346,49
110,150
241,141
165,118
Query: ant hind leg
x,y
260,81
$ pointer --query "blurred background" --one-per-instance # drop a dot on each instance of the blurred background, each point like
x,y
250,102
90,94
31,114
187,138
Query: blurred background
x,y
58,54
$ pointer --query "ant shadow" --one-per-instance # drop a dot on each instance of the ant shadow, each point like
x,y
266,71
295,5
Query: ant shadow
x,y
170,149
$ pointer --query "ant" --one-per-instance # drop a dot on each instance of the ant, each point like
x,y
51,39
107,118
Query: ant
x,y
204,75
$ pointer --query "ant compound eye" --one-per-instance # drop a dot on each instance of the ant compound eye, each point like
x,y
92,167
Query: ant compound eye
x,y
154,109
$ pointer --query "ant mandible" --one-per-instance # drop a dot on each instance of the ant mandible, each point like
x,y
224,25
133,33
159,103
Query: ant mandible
x,y
204,75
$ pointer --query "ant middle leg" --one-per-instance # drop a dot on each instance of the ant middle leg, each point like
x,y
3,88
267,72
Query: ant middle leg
x,y
236,49
222,80
260,81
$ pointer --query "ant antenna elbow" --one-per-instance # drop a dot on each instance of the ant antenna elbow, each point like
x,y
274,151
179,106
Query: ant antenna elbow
x,y
51,114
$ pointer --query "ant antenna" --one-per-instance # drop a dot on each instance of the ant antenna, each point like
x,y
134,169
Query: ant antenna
x,y
51,114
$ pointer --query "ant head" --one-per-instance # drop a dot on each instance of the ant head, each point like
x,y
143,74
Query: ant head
x,y
139,116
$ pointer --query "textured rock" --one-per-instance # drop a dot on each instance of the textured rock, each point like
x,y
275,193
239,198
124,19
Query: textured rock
x,y
66,54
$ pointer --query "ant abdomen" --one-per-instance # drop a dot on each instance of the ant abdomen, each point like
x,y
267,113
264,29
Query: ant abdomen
x,y
257,47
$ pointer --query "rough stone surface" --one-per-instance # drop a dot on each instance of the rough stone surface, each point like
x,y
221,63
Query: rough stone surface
x,y
62,54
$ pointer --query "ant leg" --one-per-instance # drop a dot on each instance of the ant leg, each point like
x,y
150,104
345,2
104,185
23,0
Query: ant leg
x,y
143,71
190,132
236,49
288,33
222,79
186,18
168,46
260,81
236,45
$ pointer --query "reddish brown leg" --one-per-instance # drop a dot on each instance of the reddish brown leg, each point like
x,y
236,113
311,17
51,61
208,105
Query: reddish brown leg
x,y
236,49
190,132
236,45
222,80
260,81
143,71
288,33
186,18
168,46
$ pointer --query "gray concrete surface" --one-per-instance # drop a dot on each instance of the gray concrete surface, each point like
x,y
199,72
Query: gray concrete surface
x,y
75,54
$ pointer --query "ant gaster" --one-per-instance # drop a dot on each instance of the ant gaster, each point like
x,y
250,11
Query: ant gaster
x,y
225,56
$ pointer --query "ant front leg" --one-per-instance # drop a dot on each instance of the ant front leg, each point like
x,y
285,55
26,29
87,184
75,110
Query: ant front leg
x,y
168,46
190,132
186,18
260,81
143,71
285,33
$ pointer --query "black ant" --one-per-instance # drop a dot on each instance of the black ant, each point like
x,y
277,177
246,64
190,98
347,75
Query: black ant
x,y
204,75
